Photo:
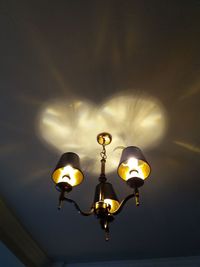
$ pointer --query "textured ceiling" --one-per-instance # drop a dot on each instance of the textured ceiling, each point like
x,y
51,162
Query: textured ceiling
x,y
94,51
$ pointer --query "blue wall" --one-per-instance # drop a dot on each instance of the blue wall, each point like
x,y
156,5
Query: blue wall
x,y
7,259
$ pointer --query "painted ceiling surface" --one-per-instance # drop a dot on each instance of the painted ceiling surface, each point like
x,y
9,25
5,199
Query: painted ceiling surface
x,y
72,69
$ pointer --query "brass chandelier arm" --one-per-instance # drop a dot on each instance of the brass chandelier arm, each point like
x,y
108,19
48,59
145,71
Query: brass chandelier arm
x,y
123,202
78,208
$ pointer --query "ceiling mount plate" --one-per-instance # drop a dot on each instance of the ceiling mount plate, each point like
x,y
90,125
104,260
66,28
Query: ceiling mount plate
x,y
104,139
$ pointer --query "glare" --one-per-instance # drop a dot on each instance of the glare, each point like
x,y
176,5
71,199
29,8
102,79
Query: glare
x,y
133,163
68,175
73,125
135,170
188,146
139,121
114,204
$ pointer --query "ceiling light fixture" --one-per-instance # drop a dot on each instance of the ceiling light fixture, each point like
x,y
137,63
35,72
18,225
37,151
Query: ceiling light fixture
x,y
133,168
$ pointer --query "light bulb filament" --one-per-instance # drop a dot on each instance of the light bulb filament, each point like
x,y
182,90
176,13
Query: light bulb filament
x,y
67,176
133,171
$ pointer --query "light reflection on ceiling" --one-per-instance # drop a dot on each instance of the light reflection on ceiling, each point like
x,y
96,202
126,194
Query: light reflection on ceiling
x,y
188,146
72,125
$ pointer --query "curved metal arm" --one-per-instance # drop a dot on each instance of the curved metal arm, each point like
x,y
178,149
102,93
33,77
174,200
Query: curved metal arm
x,y
123,202
78,208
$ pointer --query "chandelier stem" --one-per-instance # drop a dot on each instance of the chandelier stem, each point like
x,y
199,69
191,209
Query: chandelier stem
x,y
103,167
102,177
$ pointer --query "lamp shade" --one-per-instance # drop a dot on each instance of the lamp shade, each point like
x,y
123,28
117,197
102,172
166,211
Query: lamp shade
x,y
105,194
133,164
67,170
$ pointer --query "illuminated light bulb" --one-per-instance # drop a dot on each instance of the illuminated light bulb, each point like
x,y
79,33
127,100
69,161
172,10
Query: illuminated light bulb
x,y
132,163
68,170
114,205
134,169
133,173
68,175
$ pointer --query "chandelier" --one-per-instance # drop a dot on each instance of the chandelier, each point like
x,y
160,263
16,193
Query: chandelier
x,y
133,168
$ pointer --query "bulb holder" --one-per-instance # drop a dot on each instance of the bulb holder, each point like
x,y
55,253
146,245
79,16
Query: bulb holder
x,y
135,182
101,208
63,187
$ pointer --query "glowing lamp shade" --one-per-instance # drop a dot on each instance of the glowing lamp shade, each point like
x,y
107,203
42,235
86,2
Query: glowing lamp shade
x,y
67,170
133,164
105,194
